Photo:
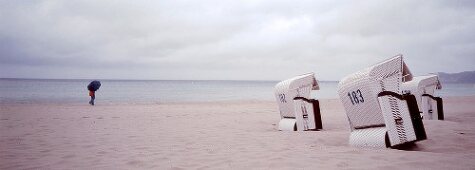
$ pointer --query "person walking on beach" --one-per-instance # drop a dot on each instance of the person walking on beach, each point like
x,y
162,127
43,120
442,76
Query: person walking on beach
x,y
93,87
93,96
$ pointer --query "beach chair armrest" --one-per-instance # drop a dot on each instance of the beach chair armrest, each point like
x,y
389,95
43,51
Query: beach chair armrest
x,y
390,93
304,99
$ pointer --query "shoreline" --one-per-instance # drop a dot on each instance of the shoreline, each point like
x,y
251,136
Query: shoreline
x,y
108,103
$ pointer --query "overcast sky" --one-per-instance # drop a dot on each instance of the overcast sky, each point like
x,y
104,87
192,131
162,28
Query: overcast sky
x,y
236,40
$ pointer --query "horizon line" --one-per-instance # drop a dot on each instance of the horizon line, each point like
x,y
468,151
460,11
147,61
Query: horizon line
x,y
147,79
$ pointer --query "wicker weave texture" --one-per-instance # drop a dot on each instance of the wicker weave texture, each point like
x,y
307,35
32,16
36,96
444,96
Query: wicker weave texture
x,y
365,113
366,118
371,137
285,91
419,86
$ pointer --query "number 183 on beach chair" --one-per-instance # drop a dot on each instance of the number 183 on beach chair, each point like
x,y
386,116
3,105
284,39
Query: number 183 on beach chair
x,y
379,114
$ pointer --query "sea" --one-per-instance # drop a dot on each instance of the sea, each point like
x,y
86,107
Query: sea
x,y
163,91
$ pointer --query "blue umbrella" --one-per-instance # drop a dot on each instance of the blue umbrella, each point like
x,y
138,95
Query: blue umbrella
x,y
94,85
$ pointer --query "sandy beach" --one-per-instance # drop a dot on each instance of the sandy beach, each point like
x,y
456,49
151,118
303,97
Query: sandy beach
x,y
214,135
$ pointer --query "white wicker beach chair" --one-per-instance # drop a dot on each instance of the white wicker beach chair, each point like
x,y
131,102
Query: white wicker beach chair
x,y
378,113
423,88
297,110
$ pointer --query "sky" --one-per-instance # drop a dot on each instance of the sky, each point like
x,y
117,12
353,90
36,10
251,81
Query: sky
x,y
231,40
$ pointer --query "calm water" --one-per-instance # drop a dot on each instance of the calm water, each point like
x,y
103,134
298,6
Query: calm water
x,y
150,91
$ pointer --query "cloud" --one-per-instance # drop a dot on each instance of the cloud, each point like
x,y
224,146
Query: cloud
x,y
258,40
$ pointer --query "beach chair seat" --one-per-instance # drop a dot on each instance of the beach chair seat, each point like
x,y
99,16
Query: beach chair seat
x,y
379,114
423,87
298,111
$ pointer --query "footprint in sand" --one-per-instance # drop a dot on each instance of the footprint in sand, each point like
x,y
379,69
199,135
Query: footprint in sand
x,y
68,156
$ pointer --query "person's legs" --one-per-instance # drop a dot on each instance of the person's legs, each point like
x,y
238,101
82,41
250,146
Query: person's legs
x,y
91,94
92,99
